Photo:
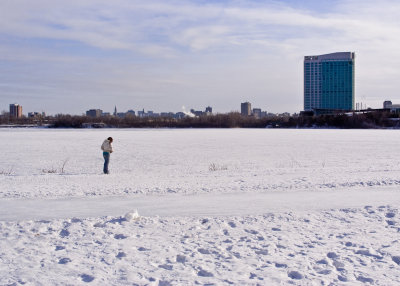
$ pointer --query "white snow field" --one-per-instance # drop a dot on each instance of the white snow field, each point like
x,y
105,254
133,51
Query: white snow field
x,y
200,207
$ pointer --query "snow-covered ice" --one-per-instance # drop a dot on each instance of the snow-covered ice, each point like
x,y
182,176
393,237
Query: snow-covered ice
x,y
200,207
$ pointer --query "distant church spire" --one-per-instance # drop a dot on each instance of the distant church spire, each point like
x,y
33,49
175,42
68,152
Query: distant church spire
x,y
115,111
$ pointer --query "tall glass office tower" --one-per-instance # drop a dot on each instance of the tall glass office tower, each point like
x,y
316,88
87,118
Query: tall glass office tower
x,y
329,81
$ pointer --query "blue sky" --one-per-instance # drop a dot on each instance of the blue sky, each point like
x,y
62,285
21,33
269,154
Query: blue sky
x,y
70,56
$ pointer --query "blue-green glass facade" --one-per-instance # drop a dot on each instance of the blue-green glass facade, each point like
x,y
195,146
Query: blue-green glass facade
x,y
329,81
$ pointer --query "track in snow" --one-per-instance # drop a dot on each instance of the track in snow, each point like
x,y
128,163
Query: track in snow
x,y
195,205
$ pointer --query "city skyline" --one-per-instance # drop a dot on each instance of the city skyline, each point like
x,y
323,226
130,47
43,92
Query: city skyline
x,y
97,112
162,55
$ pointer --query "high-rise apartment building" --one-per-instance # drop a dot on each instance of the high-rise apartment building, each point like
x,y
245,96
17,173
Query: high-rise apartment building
x,y
245,108
329,82
15,110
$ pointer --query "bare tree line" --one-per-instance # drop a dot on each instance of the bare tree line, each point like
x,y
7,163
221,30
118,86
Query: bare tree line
x,y
376,119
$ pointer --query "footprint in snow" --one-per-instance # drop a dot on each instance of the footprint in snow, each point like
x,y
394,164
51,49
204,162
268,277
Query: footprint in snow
x,y
181,258
120,236
365,279
166,267
332,255
253,276
232,224
99,224
87,278
59,248
251,231
64,260
204,251
370,253
204,273
237,255
339,266
295,275
262,252
390,215
120,255
44,221
342,278
322,261
396,259
325,272
64,233
280,265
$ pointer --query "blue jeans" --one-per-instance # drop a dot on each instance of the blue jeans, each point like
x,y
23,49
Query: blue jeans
x,y
106,156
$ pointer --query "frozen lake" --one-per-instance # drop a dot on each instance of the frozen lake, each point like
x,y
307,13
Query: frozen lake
x,y
195,161
215,207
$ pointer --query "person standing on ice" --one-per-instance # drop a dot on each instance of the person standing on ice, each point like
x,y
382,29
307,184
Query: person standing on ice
x,y
107,150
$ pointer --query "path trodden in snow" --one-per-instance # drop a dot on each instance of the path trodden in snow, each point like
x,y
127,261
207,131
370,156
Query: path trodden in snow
x,y
236,204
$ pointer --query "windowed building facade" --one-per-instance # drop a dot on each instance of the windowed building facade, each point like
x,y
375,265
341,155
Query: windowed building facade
x,y
329,81
15,110
245,108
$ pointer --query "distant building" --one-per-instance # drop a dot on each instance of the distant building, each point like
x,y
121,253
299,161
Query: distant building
x,y
196,112
245,108
141,113
154,114
94,113
179,115
393,107
15,110
329,82
387,104
257,112
149,113
115,111
130,112
36,114
167,114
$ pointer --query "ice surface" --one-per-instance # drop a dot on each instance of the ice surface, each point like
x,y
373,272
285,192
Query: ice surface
x,y
217,207
178,161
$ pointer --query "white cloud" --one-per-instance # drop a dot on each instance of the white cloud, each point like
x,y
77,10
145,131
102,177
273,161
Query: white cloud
x,y
169,49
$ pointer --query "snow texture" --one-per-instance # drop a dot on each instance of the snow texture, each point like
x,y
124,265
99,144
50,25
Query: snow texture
x,y
200,207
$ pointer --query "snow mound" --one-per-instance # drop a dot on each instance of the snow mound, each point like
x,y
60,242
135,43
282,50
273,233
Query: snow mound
x,y
132,216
